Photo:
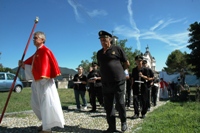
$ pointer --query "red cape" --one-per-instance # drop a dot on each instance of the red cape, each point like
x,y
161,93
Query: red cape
x,y
44,64
162,83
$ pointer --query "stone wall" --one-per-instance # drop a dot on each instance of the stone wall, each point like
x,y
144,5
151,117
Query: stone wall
x,y
62,84
59,84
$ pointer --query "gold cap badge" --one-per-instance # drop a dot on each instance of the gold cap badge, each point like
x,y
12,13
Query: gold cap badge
x,y
113,52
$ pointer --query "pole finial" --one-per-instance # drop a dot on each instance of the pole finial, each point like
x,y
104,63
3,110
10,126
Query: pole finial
x,y
36,19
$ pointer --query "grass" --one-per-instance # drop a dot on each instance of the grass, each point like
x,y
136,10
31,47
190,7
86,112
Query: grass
x,y
21,101
174,117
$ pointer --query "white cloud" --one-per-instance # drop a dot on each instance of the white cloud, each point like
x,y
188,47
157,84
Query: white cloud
x,y
173,41
95,13
170,21
125,31
133,24
156,25
75,8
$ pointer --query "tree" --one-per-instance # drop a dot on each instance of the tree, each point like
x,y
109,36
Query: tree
x,y
194,46
130,55
1,68
177,61
94,57
85,64
6,69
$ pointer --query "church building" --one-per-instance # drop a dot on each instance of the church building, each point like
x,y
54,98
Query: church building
x,y
151,62
150,59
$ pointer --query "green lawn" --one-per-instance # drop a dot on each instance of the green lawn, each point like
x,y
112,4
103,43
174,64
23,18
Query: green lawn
x,y
21,101
174,117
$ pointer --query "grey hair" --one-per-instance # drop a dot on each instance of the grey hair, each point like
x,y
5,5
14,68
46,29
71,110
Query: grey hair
x,y
40,35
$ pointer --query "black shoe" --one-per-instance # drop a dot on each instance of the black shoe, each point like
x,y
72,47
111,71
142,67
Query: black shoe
x,y
109,130
124,127
143,116
135,116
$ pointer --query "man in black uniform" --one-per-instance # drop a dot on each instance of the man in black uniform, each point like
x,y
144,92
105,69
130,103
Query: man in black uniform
x,y
94,79
149,83
139,85
110,59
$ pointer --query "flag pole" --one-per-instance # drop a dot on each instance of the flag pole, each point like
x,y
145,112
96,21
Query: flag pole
x,y
11,89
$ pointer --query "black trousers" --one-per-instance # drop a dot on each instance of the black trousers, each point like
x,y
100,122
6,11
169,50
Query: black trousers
x,y
96,92
149,97
114,91
128,96
154,93
140,100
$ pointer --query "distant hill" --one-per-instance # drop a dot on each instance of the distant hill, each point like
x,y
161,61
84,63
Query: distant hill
x,y
64,71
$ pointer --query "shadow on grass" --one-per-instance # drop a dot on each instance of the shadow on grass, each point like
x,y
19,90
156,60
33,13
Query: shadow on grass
x,y
96,116
189,98
4,91
76,129
33,129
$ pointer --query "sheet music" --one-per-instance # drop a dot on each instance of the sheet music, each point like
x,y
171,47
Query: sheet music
x,y
156,85
78,82
139,81
28,72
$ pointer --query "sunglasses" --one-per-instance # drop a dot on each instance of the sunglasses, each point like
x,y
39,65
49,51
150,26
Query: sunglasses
x,y
35,38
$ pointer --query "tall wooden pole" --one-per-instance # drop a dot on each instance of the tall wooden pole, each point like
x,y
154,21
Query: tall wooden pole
x,y
13,84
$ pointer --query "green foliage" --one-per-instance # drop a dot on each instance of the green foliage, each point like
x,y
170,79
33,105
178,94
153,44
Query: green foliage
x,y
177,61
6,69
85,64
130,55
94,57
194,46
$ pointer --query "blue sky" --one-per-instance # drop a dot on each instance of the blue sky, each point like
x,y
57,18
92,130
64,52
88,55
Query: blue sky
x,y
71,27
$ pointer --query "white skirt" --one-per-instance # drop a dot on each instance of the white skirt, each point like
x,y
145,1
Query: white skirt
x,y
46,104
